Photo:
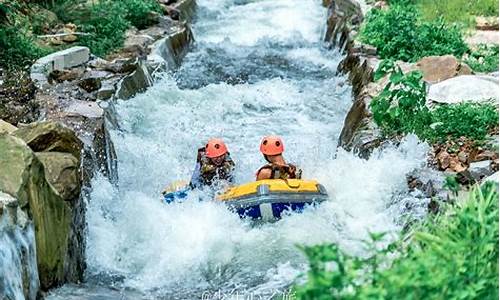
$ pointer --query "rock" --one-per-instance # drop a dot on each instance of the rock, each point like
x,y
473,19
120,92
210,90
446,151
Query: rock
x,y
135,42
65,75
173,47
6,127
87,109
186,8
493,177
166,2
380,5
121,66
50,136
483,37
23,177
444,160
61,170
481,169
439,68
69,38
90,84
173,13
106,91
64,59
136,82
97,63
471,88
68,30
486,23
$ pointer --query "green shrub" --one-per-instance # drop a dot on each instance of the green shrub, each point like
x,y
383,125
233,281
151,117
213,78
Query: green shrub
x,y
451,256
107,25
483,59
400,109
17,45
399,33
138,12
472,120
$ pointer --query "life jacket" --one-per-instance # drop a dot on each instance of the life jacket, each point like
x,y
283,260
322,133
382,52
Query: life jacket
x,y
210,172
287,171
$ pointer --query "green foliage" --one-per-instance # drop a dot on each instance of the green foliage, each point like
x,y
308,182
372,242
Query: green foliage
x,y
451,256
399,33
457,11
400,109
451,184
17,45
106,25
138,11
472,120
483,59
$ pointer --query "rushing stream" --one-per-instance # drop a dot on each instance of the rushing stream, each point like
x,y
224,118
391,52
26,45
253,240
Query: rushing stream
x,y
257,67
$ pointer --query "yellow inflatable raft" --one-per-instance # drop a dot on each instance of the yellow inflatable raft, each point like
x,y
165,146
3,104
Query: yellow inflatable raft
x,y
264,199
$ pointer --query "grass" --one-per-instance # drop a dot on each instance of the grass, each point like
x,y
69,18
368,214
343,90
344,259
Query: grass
x,y
457,11
400,33
453,255
484,59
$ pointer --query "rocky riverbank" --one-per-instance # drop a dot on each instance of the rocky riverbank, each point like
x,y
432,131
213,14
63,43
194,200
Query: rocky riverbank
x,y
47,165
449,81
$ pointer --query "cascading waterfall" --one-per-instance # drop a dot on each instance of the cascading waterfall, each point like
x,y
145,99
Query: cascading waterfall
x,y
257,68
17,258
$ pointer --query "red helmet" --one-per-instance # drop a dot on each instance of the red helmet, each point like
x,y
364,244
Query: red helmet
x,y
272,145
215,148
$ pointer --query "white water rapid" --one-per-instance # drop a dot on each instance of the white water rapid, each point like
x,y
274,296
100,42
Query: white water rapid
x,y
257,67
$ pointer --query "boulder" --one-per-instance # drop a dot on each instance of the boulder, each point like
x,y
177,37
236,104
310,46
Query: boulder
x,y
186,8
6,127
486,23
106,91
480,169
62,171
135,42
439,68
483,37
23,177
136,82
172,49
49,136
64,59
472,88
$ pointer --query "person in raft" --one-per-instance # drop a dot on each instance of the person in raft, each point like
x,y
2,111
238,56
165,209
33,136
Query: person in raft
x,y
272,148
213,163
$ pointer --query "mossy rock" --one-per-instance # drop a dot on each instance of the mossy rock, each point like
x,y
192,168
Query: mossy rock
x,y
23,177
50,136
62,171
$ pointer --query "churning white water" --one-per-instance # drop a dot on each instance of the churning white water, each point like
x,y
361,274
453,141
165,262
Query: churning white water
x,y
257,68
17,258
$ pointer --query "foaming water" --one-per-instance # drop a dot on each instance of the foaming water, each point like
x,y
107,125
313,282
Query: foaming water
x,y
17,259
258,68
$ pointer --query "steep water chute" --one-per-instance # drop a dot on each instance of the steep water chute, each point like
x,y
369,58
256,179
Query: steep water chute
x,y
257,68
